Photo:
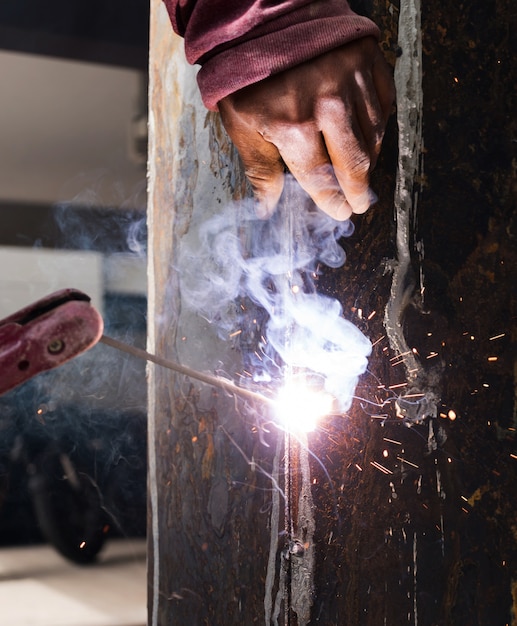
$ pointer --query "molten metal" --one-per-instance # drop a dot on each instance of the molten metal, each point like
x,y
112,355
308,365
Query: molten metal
x,y
298,408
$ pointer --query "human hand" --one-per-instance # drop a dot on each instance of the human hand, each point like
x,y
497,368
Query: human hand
x,y
323,119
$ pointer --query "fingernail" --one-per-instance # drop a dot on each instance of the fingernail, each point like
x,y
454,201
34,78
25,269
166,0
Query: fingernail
x,y
367,199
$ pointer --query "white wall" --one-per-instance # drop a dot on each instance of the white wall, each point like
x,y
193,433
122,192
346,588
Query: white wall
x,y
27,274
64,131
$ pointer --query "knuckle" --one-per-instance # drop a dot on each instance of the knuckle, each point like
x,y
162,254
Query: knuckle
x,y
358,165
259,175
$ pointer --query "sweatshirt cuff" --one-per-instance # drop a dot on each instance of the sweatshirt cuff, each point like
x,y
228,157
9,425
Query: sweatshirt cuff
x,y
256,59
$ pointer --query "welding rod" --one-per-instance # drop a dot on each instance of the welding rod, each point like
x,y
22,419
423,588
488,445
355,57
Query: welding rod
x,y
209,379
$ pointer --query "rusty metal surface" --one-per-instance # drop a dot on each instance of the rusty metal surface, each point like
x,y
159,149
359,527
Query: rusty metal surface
x,y
414,522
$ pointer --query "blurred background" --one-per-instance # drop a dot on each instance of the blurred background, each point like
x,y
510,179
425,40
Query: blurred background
x,y
73,140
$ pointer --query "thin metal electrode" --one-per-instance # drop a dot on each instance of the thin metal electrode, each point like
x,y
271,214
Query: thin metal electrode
x,y
209,379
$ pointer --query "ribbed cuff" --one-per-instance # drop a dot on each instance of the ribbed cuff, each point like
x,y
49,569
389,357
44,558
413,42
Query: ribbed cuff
x,y
256,59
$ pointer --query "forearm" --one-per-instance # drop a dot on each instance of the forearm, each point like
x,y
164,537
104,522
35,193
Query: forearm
x,y
241,42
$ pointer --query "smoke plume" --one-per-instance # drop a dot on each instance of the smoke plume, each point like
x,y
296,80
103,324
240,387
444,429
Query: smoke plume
x,y
258,280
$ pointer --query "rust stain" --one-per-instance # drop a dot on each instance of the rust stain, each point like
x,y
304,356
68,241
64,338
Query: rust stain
x,y
207,462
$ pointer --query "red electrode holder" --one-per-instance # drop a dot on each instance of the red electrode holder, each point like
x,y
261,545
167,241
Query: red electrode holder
x,y
46,334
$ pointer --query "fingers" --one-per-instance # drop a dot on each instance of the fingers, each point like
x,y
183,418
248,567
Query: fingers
x,y
384,85
304,153
349,153
371,119
335,179
323,119
353,128
374,104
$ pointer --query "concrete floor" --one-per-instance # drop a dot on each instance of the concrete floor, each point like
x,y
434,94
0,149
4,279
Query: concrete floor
x,y
40,588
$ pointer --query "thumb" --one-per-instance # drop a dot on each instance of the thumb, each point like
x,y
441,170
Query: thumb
x,y
262,162
267,193
264,169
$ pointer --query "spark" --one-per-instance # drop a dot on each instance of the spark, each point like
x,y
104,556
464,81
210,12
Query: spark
x,y
431,355
397,385
298,407
399,458
513,456
492,358
497,337
378,340
235,333
398,443
399,356
371,315
380,467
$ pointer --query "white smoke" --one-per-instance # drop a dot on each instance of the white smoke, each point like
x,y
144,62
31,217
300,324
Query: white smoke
x,y
259,278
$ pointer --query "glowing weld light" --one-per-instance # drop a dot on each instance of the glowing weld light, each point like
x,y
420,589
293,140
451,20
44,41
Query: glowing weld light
x,y
299,408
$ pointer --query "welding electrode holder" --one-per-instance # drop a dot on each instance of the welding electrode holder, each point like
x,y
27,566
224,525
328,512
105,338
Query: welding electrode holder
x,y
63,325
46,334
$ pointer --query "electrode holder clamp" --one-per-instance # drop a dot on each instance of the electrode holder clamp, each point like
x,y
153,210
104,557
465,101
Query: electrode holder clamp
x,y
46,334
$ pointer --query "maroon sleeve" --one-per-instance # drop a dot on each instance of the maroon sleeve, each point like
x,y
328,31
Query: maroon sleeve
x,y
240,42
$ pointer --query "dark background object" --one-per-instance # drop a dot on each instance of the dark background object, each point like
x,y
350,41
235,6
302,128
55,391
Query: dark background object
x,y
101,31
111,442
